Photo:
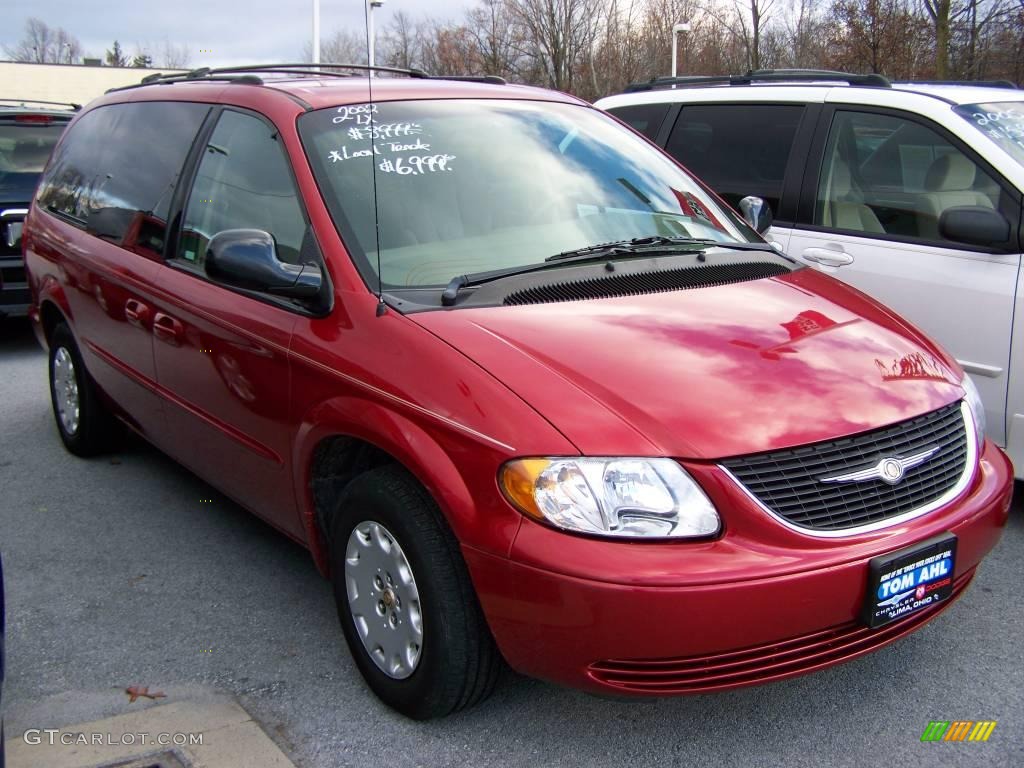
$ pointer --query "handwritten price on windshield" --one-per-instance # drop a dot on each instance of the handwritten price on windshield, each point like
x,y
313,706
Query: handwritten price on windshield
x,y
416,165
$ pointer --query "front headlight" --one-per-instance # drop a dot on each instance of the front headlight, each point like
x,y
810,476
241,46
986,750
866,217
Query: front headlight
x,y
628,498
977,407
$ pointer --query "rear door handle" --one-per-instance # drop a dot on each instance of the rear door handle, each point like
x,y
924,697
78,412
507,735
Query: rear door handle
x,y
828,256
136,312
167,329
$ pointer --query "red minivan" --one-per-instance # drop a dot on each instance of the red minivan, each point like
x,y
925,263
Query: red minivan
x,y
528,391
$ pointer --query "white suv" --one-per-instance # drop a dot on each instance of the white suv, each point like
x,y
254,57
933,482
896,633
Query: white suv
x,y
910,192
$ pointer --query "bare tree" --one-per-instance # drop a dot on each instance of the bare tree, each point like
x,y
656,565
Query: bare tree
x,y
400,45
559,34
883,36
173,55
804,30
752,27
972,36
446,48
43,44
497,38
342,47
940,11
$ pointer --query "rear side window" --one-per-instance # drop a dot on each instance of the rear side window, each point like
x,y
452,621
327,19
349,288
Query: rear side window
x,y
115,173
738,149
646,118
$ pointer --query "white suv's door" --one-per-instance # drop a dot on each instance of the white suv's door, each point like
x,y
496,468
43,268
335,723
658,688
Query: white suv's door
x,y
883,183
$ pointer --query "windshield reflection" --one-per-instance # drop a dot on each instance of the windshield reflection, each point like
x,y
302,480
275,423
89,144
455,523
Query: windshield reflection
x,y
470,186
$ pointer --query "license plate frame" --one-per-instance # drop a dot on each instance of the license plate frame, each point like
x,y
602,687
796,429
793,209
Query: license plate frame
x,y
903,583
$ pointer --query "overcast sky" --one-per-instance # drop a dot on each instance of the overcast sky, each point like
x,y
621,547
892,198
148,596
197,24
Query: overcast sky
x,y
236,31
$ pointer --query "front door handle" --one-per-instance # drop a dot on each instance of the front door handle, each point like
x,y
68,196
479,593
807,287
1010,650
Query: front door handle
x,y
136,313
167,329
830,257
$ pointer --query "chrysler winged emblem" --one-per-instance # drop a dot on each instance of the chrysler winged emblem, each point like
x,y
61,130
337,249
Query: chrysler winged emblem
x,y
890,469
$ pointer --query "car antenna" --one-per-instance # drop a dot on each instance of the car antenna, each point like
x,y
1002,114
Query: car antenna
x,y
382,308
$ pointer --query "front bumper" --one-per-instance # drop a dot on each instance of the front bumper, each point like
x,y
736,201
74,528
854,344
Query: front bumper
x,y
761,603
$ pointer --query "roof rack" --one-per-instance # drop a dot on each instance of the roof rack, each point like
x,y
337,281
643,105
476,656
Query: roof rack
x,y
978,83
762,76
249,75
70,104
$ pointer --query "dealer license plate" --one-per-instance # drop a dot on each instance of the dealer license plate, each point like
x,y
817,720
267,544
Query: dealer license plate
x,y
902,583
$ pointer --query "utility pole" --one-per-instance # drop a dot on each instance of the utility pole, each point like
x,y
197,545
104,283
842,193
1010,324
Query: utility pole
x,y
316,31
676,29
369,32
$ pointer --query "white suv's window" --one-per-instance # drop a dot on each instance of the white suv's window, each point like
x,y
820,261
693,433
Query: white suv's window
x,y
739,149
888,176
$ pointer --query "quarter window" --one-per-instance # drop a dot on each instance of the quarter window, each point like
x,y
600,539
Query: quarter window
x,y
885,175
243,182
646,118
116,171
739,149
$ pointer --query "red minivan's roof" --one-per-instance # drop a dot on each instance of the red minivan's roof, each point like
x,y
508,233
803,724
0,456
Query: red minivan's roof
x,y
326,92
330,91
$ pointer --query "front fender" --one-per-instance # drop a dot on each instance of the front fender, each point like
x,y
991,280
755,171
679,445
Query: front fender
x,y
468,495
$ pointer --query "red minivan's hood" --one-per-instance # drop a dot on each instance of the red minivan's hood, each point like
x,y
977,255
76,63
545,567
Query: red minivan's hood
x,y
709,372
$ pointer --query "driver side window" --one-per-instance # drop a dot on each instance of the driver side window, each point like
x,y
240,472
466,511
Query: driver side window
x,y
884,175
243,182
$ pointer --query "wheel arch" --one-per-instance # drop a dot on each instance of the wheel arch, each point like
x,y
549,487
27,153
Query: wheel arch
x,y
53,307
347,436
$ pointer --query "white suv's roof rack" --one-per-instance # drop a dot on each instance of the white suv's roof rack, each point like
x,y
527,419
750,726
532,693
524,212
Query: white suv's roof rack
x,y
763,76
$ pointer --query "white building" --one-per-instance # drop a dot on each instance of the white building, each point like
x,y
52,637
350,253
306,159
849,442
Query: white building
x,y
65,82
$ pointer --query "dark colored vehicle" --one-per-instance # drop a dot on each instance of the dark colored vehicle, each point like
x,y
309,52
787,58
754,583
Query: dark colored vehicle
x,y
28,132
527,390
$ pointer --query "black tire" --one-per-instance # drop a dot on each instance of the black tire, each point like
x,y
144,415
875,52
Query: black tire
x,y
459,663
96,429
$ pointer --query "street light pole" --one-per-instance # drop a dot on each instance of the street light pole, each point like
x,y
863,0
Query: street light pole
x,y
316,31
369,31
676,29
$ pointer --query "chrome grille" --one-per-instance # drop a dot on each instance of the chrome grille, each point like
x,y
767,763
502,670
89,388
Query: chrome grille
x,y
789,482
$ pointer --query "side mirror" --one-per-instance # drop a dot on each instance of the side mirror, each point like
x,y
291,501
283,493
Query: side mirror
x,y
974,225
757,213
247,258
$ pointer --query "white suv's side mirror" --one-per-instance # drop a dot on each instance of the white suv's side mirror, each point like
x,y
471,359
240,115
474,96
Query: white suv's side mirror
x,y
974,225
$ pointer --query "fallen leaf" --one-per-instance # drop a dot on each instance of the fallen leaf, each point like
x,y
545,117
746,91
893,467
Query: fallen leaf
x,y
134,692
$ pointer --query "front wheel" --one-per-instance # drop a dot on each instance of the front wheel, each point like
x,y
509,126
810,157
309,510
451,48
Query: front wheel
x,y
405,601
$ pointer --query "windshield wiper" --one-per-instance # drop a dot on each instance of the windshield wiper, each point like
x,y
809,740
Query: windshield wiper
x,y
651,245
639,246
621,247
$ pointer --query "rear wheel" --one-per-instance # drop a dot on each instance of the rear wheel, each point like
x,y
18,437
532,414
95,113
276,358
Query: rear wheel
x,y
85,426
405,601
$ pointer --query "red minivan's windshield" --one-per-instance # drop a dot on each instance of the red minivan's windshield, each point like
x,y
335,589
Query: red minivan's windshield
x,y
468,186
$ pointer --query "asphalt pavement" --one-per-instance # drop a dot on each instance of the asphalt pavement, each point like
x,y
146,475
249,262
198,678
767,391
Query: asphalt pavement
x,y
119,574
